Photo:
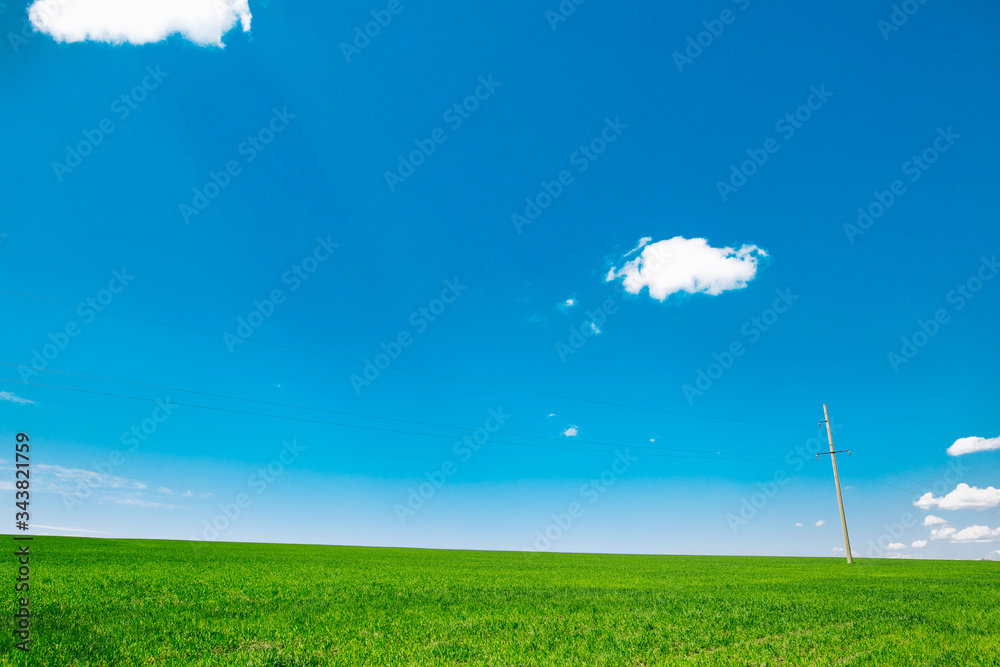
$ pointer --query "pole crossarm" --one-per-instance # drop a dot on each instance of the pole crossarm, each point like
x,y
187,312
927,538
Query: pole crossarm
x,y
839,451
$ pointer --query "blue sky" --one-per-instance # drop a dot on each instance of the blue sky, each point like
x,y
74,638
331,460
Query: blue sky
x,y
217,178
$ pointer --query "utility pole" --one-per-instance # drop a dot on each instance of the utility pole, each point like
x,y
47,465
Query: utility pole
x,y
836,479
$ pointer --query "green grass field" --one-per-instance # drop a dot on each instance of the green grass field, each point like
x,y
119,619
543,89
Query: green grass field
x,y
132,602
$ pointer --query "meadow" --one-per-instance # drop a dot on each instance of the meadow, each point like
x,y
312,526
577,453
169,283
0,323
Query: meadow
x,y
139,602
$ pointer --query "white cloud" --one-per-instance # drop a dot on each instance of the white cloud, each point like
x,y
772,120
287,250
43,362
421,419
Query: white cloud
x,y
187,494
798,525
973,444
820,522
203,22
687,265
594,328
552,414
976,534
13,398
919,544
896,546
566,305
164,489
571,431
964,497
942,533
931,520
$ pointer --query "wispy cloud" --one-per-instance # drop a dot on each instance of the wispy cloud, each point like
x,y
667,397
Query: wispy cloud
x,y
139,502
8,397
67,481
70,530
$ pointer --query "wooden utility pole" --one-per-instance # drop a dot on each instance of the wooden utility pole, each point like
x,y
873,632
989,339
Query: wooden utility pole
x,y
836,479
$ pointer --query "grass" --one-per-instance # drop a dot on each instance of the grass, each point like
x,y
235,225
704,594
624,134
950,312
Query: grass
x,y
145,602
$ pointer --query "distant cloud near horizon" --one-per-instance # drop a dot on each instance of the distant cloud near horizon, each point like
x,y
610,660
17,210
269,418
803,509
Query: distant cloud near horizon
x,y
203,22
973,444
964,497
686,265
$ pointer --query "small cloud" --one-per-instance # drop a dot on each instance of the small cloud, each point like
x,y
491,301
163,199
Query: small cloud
x,y
8,397
686,265
564,306
594,328
203,22
652,439
820,522
798,525
187,494
552,414
973,444
164,489
942,533
571,432
837,549
896,546
964,497
919,544
931,520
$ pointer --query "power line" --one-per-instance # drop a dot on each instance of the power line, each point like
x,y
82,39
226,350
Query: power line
x,y
338,412
387,430
425,373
